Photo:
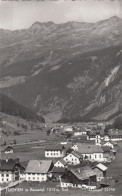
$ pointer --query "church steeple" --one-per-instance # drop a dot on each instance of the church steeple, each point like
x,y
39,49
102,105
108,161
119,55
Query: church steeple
x,y
98,139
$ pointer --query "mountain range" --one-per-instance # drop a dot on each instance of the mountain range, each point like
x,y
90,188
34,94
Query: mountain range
x,y
70,71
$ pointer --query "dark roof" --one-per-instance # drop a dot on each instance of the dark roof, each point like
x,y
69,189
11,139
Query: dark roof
x,y
54,147
106,148
8,147
8,165
58,170
89,149
76,154
83,172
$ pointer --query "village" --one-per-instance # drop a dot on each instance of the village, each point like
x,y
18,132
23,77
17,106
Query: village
x,y
78,159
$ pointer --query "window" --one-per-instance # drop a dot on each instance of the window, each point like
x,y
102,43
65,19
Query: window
x,y
2,175
7,179
7,175
33,178
100,155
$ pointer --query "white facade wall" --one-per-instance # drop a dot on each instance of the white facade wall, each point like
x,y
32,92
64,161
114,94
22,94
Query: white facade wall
x,y
75,147
36,177
116,139
6,177
54,154
66,184
22,176
71,159
8,151
95,156
58,164
106,138
79,133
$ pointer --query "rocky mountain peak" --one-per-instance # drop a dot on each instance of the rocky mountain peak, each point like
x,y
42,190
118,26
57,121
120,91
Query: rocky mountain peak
x,y
40,25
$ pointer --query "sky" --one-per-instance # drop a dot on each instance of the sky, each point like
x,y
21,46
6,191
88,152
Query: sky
x,y
23,13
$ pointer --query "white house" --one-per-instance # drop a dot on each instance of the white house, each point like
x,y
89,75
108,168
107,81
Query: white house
x,y
91,152
38,170
68,129
106,138
73,158
8,150
109,143
9,170
75,147
115,135
80,132
54,151
60,163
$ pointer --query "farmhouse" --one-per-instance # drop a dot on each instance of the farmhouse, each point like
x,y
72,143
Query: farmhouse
x,y
38,170
54,151
73,158
60,163
109,143
9,170
8,150
91,135
100,170
91,152
115,135
78,177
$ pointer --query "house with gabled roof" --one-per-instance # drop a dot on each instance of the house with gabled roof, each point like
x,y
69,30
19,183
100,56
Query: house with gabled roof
x,y
100,170
80,131
115,135
78,177
8,150
9,170
109,143
53,151
60,163
38,170
73,158
91,152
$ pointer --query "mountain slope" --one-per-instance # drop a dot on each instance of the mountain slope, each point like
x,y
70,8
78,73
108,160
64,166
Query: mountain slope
x,y
9,106
72,69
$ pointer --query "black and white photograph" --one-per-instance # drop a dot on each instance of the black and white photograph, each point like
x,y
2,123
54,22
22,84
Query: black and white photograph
x,y
61,97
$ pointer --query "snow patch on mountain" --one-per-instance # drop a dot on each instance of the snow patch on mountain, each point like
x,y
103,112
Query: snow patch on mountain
x,y
111,76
